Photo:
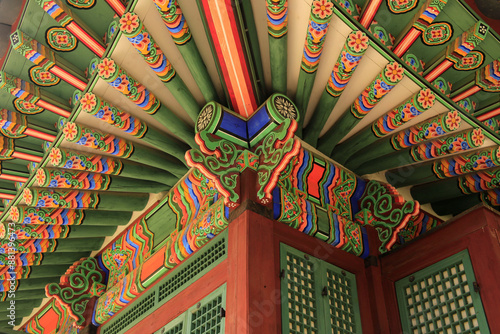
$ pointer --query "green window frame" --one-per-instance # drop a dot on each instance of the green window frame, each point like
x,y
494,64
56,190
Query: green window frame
x,y
316,296
442,299
206,317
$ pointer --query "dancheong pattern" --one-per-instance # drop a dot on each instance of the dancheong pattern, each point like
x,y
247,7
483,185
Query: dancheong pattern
x,y
471,61
42,77
82,4
26,107
437,33
321,14
401,6
61,39
277,17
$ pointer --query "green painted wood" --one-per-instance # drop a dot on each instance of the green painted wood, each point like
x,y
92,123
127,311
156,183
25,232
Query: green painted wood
x,y
93,105
278,59
84,231
21,305
137,171
35,283
456,205
188,49
24,295
390,75
64,257
353,50
78,245
131,151
162,222
436,191
47,271
152,55
406,176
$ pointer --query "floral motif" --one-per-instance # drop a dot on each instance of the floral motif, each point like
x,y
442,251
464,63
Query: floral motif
x,y
205,117
434,130
477,137
394,72
46,202
285,108
426,98
70,131
106,68
322,8
129,22
459,145
14,213
55,156
40,177
453,120
27,196
409,112
483,162
88,102
358,41
62,39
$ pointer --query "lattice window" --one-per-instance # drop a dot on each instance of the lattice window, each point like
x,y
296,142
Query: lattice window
x,y
441,299
317,297
206,317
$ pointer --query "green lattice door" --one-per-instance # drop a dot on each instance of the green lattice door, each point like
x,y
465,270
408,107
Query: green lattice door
x,y
206,317
442,299
316,296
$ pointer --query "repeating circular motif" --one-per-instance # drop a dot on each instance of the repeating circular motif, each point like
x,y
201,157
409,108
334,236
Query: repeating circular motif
x,y
437,33
204,118
26,107
285,108
401,6
82,4
61,39
471,61
42,77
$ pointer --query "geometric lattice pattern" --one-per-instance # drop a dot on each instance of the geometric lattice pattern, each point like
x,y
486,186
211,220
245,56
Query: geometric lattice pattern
x,y
186,273
207,320
208,256
340,297
302,309
131,314
206,317
317,297
441,299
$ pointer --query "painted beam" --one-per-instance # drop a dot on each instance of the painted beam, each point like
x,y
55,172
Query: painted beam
x,y
486,79
353,50
229,51
65,179
81,161
136,92
413,107
176,23
8,150
418,24
117,6
77,199
131,26
119,147
456,143
106,112
390,75
48,216
46,59
369,11
277,28
13,124
41,231
59,12
319,20
455,187
431,128
32,100
456,50
457,165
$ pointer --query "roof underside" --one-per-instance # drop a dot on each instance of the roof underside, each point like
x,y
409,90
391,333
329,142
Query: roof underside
x,y
449,160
